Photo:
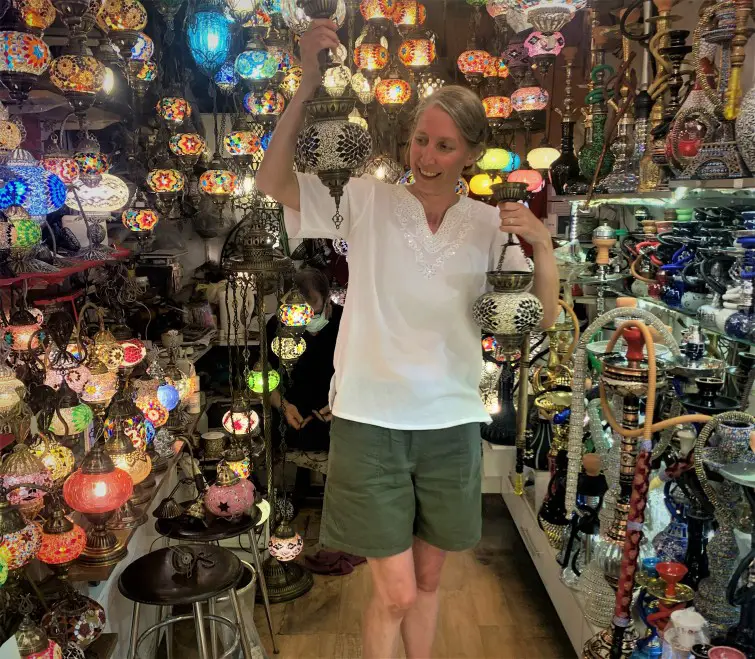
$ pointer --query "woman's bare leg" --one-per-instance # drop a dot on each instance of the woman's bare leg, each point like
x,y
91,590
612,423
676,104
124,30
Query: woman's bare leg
x,y
420,622
394,593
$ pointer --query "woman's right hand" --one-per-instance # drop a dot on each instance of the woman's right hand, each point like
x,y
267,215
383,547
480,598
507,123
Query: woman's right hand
x,y
320,36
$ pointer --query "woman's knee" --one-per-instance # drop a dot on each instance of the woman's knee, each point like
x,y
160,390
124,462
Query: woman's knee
x,y
394,583
398,598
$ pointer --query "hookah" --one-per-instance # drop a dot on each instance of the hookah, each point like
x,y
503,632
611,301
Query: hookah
x,y
603,239
510,313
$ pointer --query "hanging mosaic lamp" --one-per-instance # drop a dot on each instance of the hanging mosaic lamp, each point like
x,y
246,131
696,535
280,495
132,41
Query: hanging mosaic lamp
x,y
140,219
122,21
77,15
141,75
173,110
78,75
243,141
544,48
514,164
548,16
12,131
62,540
30,15
428,84
209,35
542,157
285,544
143,49
217,182
294,311
71,415
417,52
226,77
57,161
530,101
497,10
57,459
239,421
370,56
363,87
255,66
256,379
23,58
494,160
187,147
298,21
266,106
473,64
91,161
291,81
409,14
480,184
358,119
378,12
393,93
20,539
165,181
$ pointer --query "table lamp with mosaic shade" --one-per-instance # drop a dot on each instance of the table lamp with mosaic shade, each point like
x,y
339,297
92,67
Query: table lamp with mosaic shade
x,y
509,312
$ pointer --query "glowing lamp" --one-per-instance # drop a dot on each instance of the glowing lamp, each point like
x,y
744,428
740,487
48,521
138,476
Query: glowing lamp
x,y
480,184
538,44
393,93
298,20
370,57
97,489
168,396
134,461
23,58
165,180
230,496
240,422
529,99
226,77
285,544
143,49
256,379
217,182
497,8
256,64
384,168
25,232
110,195
408,14
497,107
291,81
532,178
147,72
288,348
282,57
62,540
209,36
267,104
21,334
102,383
417,53
242,143
377,11
134,352
515,163
57,459
141,219
335,80
77,73
357,119
473,62
494,159
108,83
294,311
173,110
92,165
21,540
542,157
75,419
45,192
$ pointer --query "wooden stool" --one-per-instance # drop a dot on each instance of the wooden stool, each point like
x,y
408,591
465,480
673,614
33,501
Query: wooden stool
x,y
153,579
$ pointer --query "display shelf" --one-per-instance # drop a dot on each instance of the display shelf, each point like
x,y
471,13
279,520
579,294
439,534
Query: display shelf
x,y
96,574
655,198
569,604
747,184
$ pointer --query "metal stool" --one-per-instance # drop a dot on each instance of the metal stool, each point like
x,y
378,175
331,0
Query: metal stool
x,y
219,529
158,579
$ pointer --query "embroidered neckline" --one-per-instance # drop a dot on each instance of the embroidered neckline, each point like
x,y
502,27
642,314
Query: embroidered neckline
x,y
431,249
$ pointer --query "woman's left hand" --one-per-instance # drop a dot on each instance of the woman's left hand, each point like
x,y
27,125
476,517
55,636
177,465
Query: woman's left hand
x,y
520,220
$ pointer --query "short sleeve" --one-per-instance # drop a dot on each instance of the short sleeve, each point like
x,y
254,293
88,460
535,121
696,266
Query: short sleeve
x,y
315,220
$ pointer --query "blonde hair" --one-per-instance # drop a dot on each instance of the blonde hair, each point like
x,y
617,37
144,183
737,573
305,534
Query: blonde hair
x,y
465,109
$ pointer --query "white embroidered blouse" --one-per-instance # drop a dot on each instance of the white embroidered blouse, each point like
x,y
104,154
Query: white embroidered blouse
x,y
408,352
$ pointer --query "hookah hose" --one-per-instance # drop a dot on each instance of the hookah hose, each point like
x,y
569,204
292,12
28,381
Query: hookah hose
x,y
575,322
600,94
640,486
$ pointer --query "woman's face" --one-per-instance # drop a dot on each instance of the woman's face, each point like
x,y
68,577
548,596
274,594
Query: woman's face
x,y
438,153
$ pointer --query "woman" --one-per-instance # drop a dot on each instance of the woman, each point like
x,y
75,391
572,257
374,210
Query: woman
x,y
305,406
404,468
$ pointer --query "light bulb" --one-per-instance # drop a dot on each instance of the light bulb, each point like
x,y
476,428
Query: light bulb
x,y
109,81
213,40
100,489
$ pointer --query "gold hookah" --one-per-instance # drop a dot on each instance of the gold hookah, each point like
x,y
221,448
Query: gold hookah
x,y
557,373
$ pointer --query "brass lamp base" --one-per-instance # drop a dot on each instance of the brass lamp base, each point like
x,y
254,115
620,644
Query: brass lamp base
x,y
102,548
285,581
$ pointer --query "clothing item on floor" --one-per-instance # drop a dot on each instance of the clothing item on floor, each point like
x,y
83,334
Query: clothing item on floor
x,y
333,563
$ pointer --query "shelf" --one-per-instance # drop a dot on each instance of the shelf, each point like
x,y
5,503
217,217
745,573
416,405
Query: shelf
x,y
747,184
569,604
95,574
655,198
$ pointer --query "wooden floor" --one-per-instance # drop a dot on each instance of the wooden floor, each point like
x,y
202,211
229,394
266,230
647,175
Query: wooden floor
x,y
493,605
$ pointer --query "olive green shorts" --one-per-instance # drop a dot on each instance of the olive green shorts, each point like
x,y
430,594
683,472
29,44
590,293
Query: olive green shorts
x,y
385,486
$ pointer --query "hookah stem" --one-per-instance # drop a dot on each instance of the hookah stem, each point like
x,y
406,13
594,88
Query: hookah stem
x,y
521,416
638,499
